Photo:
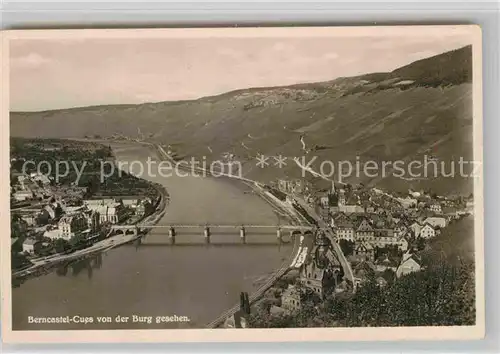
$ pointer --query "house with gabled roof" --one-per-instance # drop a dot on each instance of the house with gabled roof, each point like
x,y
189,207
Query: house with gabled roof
x,y
436,222
451,212
364,251
364,230
291,299
400,230
427,231
409,263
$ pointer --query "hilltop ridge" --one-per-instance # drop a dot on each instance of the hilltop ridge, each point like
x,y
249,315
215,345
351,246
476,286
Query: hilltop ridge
x,y
421,108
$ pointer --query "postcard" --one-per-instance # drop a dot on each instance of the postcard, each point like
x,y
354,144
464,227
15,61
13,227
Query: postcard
x,y
242,184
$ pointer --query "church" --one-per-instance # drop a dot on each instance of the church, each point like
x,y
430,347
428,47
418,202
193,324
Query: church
x,y
321,272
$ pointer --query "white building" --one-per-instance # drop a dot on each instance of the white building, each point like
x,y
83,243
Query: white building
x,y
290,300
42,178
29,219
111,213
345,231
436,208
409,264
53,234
94,203
436,222
109,210
427,231
350,209
29,245
324,201
23,195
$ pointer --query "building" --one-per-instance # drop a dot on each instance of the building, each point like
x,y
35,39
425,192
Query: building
x,y
23,195
381,282
318,271
451,212
130,201
93,220
290,299
145,207
427,231
348,209
400,230
71,224
30,245
364,230
240,317
436,222
50,209
410,263
345,231
94,203
364,251
283,185
415,228
403,244
71,210
53,233
40,177
110,212
341,197
324,202
29,219
436,208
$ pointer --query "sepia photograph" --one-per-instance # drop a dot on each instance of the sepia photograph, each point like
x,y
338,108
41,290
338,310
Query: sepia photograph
x,y
243,184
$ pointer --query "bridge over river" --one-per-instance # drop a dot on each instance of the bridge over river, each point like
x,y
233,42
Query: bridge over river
x,y
205,231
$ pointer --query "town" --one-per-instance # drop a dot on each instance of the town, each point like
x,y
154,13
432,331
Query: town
x,y
50,218
382,235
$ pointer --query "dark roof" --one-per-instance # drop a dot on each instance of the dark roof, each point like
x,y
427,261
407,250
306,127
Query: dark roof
x,y
388,261
30,241
345,224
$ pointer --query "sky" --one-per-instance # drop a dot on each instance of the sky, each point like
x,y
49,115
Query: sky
x,y
60,73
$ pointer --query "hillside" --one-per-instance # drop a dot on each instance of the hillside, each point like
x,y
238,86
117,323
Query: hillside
x,y
424,108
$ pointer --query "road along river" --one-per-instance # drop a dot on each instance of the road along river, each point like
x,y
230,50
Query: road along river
x,y
154,279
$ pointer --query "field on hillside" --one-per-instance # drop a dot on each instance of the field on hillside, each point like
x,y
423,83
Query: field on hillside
x,y
370,117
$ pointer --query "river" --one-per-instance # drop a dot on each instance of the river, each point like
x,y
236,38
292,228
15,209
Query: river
x,y
156,279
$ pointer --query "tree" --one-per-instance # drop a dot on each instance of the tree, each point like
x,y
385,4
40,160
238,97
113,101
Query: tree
x,y
58,211
61,245
347,247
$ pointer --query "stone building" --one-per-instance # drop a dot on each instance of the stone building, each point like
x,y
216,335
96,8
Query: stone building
x,y
319,271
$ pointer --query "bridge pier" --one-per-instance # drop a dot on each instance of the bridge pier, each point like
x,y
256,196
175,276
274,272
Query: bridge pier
x,y
278,234
171,235
206,234
243,236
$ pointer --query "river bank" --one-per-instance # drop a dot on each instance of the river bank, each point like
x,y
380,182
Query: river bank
x,y
199,281
44,265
